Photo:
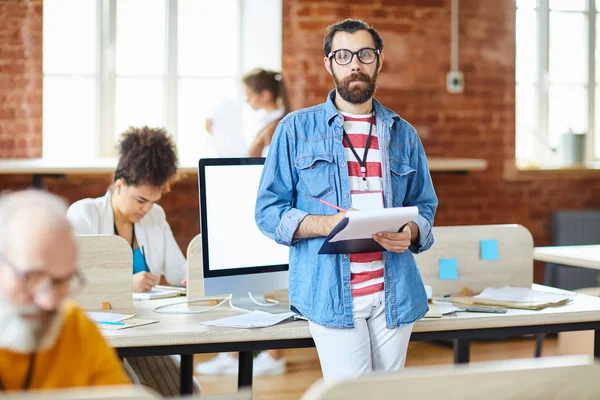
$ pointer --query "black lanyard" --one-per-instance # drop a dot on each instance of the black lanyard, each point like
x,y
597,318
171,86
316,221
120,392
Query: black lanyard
x,y
132,233
363,162
27,377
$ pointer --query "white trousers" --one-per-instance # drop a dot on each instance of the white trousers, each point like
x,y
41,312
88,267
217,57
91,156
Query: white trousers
x,y
369,346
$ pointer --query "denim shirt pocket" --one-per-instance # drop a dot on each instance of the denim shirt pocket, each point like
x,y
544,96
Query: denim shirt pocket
x,y
402,172
315,174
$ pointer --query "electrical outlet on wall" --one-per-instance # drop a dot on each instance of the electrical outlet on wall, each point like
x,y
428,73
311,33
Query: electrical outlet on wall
x,y
455,82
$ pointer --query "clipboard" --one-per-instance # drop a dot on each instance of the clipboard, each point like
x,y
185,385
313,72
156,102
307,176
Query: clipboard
x,y
353,234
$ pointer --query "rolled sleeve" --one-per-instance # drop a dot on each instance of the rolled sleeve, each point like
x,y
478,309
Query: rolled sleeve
x,y
284,234
425,235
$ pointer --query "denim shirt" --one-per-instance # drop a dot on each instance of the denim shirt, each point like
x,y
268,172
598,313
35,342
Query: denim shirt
x,y
307,162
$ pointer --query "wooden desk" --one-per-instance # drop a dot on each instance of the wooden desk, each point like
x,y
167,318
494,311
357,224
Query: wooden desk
x,y
183,334
576,256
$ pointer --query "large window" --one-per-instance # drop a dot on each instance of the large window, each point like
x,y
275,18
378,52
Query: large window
x,y
556,75
110,64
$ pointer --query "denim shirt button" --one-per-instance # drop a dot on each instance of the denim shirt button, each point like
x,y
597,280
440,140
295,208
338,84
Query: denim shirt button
x,y
347,285
343,164
345,195
345,255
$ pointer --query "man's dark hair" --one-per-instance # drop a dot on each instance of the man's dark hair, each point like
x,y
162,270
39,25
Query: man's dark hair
x,y
147,157
350,26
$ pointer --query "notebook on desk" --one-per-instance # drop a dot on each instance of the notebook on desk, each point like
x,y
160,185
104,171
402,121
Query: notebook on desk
x,y
157,292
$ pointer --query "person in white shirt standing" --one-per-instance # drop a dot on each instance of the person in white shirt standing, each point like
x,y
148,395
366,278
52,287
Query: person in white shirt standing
x,y
146,169
265,90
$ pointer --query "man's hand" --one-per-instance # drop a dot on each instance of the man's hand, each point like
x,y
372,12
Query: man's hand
x,y
144,281
317,225
397,242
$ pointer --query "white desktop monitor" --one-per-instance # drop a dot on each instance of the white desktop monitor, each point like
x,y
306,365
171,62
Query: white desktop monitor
x,y
237,257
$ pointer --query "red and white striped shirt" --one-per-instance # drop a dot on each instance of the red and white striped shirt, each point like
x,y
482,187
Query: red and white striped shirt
x,y
366,269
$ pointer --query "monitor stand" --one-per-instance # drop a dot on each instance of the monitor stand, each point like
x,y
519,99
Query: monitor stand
x,y
244,302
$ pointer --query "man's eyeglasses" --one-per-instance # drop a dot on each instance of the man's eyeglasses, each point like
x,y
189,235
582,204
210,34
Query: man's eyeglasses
x,y
366,55
37,281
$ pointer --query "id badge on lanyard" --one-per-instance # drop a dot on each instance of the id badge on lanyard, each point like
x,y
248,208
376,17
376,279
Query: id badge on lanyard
x,y
367,199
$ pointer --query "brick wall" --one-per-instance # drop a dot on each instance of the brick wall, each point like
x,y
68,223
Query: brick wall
x,y
478,123
20,78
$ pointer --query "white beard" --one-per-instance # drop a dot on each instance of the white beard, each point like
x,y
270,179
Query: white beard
x,y
25,336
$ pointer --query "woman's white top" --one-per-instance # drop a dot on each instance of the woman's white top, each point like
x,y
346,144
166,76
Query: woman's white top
x,y
153,233
266,120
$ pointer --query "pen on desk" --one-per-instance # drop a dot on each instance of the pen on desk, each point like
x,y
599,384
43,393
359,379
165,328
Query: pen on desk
x,y
332,205
110,322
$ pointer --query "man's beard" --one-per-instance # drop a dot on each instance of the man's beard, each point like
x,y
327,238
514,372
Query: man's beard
x,y
23,335
357,94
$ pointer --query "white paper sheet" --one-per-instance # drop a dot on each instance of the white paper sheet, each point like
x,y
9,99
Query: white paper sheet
x,y
107,316
523,295
445,307
364,224
156,293
254,319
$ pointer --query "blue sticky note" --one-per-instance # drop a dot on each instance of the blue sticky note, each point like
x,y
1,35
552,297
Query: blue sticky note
x,y
448,269
489,249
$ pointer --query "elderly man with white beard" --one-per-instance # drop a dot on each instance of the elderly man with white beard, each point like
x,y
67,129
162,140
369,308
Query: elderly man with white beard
x,y
46,342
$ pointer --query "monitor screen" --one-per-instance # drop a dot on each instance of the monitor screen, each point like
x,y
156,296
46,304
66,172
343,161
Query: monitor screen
x,y
232,244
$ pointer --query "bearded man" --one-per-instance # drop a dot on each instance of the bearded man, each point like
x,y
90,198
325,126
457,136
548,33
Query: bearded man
x,y
351,152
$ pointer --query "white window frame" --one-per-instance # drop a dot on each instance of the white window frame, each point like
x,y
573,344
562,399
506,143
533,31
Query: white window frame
x,y
543,82
104,135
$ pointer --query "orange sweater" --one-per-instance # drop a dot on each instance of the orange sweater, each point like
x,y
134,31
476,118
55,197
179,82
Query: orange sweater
x,y
80,357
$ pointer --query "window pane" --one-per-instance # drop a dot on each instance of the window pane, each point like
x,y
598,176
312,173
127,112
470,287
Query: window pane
x,y
197,102
526,118
568,111
139,102
69,117
568,48
527,46
140,37
208,38
526,4
568,5
69,43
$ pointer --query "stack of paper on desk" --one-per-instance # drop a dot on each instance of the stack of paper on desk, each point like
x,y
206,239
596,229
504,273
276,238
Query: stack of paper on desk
x,y
254,319
516,297
159,292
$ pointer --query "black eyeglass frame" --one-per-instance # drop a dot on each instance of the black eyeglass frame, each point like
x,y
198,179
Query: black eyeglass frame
x,y
353,53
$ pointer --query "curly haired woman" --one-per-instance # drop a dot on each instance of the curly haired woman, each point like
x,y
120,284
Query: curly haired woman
x,y
146,169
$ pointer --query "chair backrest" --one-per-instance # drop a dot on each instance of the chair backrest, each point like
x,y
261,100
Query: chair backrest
x,y
573,227
463,243
106,262
195,287
572,377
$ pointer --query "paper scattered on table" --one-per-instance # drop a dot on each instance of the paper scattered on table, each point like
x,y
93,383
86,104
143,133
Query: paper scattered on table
x,y
429,292
445,307
97,316
157,293
254,319
129,323
523,295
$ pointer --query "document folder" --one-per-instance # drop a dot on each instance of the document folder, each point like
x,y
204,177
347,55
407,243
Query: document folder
x,y
354,233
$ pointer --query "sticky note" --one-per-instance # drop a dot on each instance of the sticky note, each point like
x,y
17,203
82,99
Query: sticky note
x,y
448,269
489,249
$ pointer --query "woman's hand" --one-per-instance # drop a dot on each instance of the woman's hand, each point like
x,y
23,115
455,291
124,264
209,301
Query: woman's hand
x,y
144,281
